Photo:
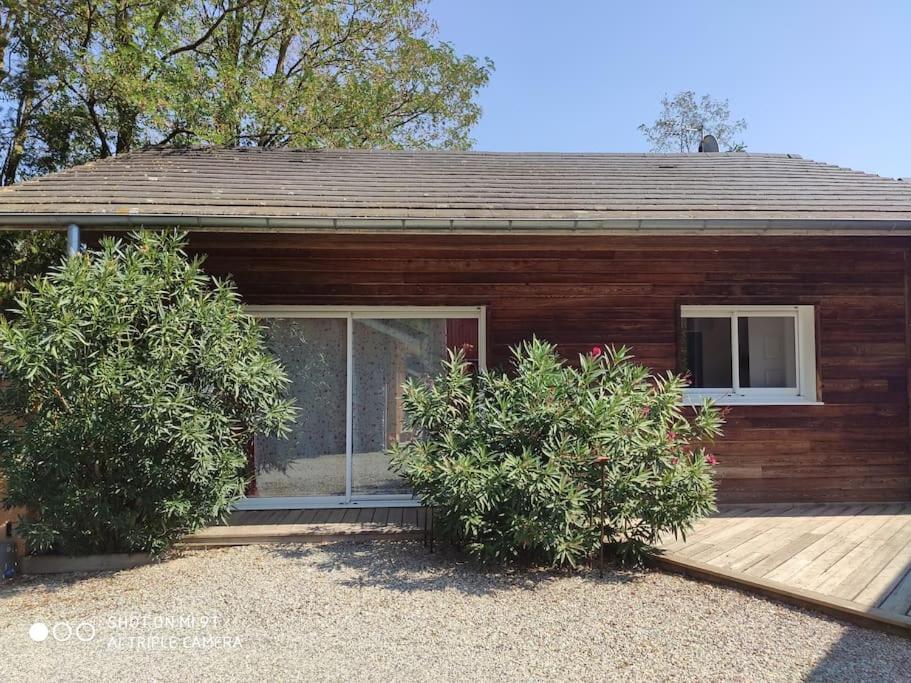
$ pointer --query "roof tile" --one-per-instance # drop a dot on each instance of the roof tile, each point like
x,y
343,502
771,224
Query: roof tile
x,y
161,185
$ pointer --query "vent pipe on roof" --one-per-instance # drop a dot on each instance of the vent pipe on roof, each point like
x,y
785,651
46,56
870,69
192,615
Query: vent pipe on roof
x,y
708,144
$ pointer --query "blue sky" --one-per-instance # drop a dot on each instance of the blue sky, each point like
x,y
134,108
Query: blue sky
x,y
828,80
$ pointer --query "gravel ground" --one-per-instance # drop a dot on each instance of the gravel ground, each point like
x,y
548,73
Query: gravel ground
x,y
389,611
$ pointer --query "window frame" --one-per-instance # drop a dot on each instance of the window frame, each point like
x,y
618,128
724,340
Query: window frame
x,y
350,314
804,350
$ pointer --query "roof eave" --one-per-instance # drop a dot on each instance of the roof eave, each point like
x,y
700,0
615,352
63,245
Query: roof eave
x,y
475,226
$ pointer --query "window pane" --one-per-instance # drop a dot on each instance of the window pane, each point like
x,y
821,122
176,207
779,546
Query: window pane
x,y
707,352
386,354
311,461
766,354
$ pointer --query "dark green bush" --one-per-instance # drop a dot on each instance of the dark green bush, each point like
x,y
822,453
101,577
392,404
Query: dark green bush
x,y
133,384
507,459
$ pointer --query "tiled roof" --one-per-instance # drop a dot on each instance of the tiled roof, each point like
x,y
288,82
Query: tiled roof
x,y
285,186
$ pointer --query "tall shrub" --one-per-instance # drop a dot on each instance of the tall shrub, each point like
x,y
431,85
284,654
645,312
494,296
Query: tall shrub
x,y
507,459
135,382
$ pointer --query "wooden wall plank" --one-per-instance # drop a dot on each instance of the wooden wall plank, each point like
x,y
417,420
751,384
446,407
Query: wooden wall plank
x,y
581,291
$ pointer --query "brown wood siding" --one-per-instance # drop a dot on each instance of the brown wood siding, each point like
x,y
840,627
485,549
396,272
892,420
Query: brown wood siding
x,y
581,291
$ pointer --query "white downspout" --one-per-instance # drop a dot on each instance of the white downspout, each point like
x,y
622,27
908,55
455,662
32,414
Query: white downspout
x,y
72,239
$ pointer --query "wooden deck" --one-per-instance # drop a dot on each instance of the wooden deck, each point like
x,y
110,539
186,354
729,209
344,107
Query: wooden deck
x,y
852,560
312,526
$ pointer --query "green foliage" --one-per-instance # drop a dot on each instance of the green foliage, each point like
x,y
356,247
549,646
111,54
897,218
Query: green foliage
x,y
84,79
685,119
507,459
23,255
135,383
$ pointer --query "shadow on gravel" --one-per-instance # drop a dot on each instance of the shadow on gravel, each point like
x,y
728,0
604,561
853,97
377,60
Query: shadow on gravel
x,y
410,567
48,583
858,656
51,583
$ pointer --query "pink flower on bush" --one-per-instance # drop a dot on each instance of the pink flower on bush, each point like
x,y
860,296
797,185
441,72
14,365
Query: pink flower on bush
x,y
711,459
674,461
646,410
596,351
672,436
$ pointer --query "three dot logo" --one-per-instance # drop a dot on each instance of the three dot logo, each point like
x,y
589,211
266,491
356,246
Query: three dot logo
x,y
61,631
38,632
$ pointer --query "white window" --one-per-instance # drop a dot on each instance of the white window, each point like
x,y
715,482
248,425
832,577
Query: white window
x,y
749,354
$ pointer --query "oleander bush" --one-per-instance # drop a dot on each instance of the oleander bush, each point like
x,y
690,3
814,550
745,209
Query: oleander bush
x,y
134,383
507,459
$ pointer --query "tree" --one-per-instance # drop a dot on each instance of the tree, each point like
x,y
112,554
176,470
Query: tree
x,y
86,79
684,120
83,79
134,383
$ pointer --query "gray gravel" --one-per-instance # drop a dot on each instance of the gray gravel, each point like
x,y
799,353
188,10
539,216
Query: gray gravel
x,y
389,611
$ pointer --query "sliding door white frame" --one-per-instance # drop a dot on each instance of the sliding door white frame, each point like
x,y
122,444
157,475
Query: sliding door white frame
x,y
350,314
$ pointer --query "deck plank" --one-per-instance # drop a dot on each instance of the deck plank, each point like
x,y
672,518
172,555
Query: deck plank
x,y
899,600
863,576
764,537
290,517
780,532
777,536
883,582
308,517
321,516
859,558
854,558
821,538
365,515
380,516
729,522
720,539
396,516
239,517
804,536
851,536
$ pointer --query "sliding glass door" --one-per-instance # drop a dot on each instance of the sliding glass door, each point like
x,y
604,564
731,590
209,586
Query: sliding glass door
x,y
347,367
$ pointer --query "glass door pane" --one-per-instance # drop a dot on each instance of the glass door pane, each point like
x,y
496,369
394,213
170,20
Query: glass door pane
x,y
312,460
387,352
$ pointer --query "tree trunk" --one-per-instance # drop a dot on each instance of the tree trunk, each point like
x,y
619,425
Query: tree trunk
x,y
126,113
19,136
25,94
